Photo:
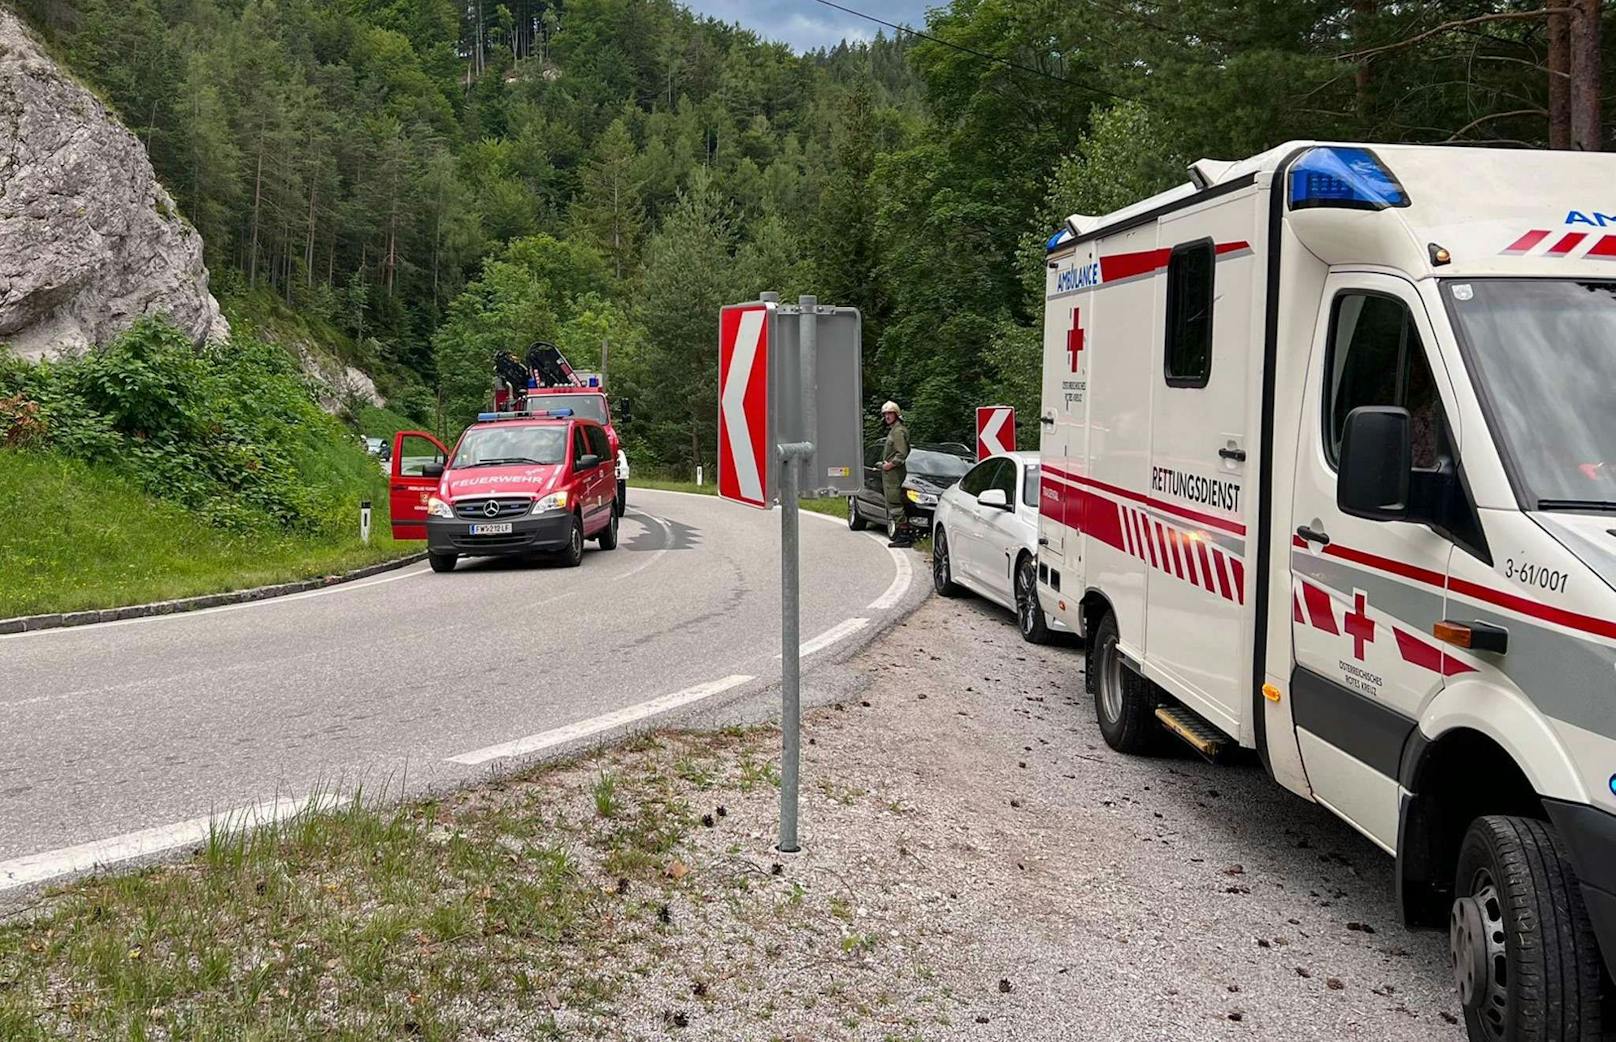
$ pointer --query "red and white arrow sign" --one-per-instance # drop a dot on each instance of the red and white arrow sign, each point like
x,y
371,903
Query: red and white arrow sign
x,y
995,430
743,405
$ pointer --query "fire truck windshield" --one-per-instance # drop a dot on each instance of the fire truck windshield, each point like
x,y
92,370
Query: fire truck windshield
x,y
590,406
1543,354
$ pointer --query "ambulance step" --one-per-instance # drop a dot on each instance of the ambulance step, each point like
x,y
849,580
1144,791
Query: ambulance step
x,y
1201,736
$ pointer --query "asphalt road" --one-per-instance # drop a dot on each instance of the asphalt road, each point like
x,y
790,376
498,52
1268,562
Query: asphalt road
x,y
408,680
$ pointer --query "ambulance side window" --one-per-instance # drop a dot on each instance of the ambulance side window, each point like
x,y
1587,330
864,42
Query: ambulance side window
x,y
1189,314
1375,357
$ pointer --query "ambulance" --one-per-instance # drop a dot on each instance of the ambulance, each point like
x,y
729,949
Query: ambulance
x,y
1329,473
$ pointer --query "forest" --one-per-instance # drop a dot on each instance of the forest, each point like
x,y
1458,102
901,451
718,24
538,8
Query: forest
x,y
439,179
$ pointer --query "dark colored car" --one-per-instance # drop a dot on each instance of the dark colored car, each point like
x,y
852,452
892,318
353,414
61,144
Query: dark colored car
x,y
515,484
932,469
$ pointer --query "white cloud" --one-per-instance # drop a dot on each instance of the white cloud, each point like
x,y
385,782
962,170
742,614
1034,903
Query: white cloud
x,y
805,24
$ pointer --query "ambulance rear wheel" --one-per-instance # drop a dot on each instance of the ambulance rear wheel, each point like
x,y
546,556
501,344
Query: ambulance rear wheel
x,y
1122,698
441,562
1520,943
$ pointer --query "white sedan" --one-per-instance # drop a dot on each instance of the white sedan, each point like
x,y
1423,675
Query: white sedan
x,y
985,538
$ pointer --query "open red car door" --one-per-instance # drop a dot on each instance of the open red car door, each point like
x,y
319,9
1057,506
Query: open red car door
x,y
408,487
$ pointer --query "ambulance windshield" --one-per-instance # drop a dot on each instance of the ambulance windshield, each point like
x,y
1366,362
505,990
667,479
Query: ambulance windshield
x,y
1543,354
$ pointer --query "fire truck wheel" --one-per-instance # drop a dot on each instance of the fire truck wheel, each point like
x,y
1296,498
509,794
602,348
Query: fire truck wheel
x,y
1122,698
573,555
608,535
441,562
855,520
1029,613
1519,940
942,574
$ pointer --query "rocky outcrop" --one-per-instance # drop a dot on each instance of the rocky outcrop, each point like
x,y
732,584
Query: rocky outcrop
x,y
89,241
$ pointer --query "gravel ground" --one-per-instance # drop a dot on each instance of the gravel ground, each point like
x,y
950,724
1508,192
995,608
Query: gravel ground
x,y
978,864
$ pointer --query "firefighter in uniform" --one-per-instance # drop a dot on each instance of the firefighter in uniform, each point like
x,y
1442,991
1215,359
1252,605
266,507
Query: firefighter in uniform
x,y
894,451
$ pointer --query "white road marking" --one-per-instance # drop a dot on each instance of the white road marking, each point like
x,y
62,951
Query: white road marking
x,y
36,868
655,555
267,602
841,631
596,725
900,582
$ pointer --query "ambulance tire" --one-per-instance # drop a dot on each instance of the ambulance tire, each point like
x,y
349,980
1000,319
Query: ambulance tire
x,y
607,538
442,562
1123,702
1520,910
573,555
620,504
855,520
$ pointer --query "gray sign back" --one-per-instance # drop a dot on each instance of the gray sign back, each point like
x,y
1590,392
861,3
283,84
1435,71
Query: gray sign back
x,y
838,463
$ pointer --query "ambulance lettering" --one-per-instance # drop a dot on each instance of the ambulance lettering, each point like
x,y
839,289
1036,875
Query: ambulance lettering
x,y
1193,488
1085,276
1592,218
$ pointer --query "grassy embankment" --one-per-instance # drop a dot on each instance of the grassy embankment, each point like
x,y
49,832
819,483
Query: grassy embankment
x,y
519,909
83,535
148,470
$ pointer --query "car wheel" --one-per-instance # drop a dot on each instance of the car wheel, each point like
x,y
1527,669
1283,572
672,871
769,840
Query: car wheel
x,y
942,574
573,555
1522,948
1123,701
1029,613
855,520
608,535
442,562
620,505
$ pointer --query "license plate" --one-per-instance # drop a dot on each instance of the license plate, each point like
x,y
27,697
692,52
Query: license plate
x,y
501,528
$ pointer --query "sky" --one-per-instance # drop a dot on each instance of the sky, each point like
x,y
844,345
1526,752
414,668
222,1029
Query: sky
x,y
806,24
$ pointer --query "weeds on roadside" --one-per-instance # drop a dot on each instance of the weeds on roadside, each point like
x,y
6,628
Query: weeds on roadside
x,y
605,793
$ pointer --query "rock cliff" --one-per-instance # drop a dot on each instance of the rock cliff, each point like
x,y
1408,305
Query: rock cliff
x,y
89,241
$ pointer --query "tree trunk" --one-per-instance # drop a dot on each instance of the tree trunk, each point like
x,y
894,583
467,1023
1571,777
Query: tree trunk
x,y
258,198
392,244
1586,131
1363,13
1559,81
308,245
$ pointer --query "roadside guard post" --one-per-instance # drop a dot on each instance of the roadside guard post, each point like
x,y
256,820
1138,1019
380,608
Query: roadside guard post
x,y
790,423
995,430
364,521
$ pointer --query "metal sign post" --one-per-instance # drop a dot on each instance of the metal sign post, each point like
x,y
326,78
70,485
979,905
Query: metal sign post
x,y
790,382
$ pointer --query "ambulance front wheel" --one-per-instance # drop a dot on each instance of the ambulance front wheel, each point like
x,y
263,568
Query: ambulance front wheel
x,y
1520,942
1122,699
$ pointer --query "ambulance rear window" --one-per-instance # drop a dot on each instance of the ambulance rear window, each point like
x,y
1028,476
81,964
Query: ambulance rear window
x,y
1189,314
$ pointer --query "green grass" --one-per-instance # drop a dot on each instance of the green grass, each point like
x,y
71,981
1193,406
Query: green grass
x,y
81,536
352,920
376,422
834,506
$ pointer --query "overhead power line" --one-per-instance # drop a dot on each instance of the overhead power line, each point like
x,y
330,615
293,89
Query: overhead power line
x,y
972,51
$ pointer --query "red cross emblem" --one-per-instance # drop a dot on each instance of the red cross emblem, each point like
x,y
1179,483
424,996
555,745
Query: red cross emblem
x,y
1074,341
1359,625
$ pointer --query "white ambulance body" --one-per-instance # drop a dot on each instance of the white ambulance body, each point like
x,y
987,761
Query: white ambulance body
x,y
1329,472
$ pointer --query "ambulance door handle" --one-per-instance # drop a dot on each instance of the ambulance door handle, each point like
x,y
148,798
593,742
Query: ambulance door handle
x,y
1313,536
1238,455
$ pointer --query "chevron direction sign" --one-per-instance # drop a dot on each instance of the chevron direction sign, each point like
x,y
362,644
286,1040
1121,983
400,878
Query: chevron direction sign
x,y
995,430
746,440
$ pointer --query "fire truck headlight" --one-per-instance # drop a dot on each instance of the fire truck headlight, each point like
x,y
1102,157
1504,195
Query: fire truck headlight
x,y
436,507
554,501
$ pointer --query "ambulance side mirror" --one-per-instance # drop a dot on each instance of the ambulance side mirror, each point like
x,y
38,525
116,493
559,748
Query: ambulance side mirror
x,y
1377,458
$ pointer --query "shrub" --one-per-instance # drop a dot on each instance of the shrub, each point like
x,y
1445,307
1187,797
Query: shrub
x,y
231,431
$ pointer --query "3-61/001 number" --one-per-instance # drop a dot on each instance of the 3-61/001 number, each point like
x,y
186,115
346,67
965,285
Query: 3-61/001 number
x,y
1535,575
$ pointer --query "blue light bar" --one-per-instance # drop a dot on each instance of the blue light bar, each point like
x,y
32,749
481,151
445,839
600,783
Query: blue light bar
x,y
484,417
1345,178
1056,239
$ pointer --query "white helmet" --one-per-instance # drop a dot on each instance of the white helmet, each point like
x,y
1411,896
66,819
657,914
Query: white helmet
x,y
891,407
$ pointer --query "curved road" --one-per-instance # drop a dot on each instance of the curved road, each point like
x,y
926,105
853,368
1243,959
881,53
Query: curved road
x,y
116,734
